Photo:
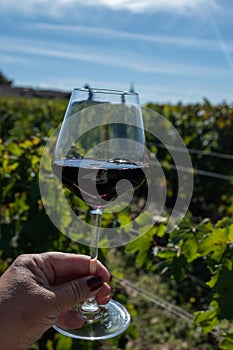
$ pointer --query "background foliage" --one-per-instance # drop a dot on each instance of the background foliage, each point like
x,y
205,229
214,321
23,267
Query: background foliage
x,y
190,269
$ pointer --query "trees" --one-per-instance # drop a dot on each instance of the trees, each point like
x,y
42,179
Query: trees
x,y
193,264
4,80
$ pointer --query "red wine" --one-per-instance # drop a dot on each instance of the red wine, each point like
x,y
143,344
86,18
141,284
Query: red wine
x,y
95,181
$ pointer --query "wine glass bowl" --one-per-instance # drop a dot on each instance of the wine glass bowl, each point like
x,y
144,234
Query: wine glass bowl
x,y
100,156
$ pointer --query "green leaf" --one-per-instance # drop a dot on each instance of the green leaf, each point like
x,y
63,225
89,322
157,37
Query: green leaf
x,y
14,149
179,266
224,289
49,345
167,254
26,144
190,249
227,263
64,343
141,246
144,222
161,230
225,222
207,320
211,283
215,243
230,233
142,243
227,343
142,256
134,246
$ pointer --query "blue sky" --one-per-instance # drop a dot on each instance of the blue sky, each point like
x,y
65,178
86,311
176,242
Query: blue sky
x,y
170,50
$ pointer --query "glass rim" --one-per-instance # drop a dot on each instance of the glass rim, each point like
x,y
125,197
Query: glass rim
x,y
106,91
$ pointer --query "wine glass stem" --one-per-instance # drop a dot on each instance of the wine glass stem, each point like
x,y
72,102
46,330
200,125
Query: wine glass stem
x,y
96,216
90,307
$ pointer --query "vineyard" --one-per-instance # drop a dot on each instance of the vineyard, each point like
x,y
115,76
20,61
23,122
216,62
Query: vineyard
x,y
177,285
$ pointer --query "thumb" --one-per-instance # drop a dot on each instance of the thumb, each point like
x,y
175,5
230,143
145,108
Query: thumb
x,y
76,291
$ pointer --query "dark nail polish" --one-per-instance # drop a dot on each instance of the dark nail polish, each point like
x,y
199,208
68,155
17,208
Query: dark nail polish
x,y
94,283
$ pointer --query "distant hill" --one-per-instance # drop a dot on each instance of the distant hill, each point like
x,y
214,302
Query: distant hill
x,y
9,90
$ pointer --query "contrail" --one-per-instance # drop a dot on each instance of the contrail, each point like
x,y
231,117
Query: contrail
x,y
220,39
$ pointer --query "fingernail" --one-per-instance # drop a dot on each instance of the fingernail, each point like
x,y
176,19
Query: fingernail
x,y
94,283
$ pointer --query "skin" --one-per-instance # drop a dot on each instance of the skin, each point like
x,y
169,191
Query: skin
x,y
39,290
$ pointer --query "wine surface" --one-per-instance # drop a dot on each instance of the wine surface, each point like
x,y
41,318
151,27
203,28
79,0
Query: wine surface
x,y
95,181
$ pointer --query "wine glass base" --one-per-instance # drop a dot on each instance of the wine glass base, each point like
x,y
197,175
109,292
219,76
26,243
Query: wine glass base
x,y
115,321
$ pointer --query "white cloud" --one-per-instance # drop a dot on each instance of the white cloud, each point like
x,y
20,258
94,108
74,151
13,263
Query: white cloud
x,y
136,63
153,5
126,35
13,59
56,7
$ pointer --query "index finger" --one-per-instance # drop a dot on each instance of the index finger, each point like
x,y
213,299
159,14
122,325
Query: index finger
x,y
66,266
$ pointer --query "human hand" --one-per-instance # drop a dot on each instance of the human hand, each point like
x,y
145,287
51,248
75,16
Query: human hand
x,y
39,290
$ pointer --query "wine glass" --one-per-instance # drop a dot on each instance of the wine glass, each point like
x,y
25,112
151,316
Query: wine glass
x,y
100,156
